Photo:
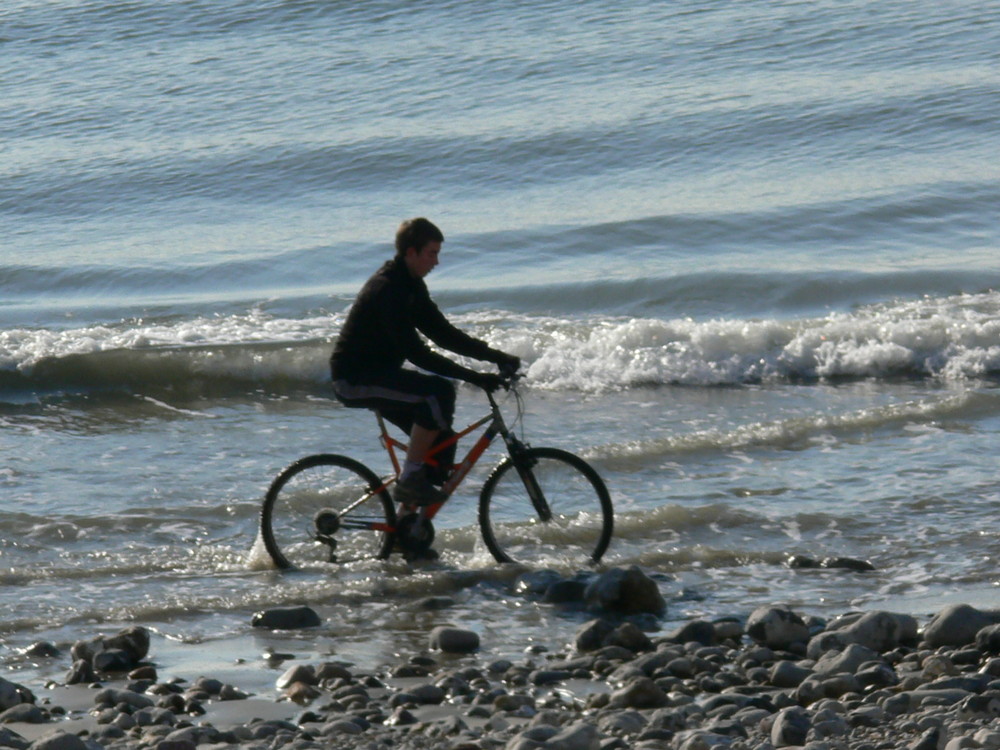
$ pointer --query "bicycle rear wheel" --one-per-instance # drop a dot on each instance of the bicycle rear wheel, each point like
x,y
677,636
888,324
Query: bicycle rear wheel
x,y
569,519
326,508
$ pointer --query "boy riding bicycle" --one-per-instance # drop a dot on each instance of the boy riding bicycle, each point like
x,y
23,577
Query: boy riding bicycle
x,y
382,331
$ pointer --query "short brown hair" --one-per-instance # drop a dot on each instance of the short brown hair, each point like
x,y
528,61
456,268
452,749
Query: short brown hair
x,y
416,233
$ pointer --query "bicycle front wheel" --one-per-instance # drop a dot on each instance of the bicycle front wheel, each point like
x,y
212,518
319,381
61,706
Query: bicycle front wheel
x,y
327,508
546,506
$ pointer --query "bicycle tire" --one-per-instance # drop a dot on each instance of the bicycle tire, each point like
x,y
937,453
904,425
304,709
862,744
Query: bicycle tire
x,y
325,482
582,519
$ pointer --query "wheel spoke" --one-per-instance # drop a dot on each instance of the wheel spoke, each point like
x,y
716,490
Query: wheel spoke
x,y
573,524
311,514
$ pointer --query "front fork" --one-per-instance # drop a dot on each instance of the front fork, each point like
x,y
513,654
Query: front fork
x,y
524,463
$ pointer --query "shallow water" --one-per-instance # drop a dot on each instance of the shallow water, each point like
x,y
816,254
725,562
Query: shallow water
x,y
748,256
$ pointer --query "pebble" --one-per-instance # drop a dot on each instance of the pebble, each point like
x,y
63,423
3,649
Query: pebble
x,y
865,681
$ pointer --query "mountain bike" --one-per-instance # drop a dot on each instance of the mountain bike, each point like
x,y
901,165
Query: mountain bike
x,y
537,504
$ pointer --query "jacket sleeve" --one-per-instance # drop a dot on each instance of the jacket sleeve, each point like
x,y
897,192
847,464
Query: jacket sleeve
x,y
435,326
432,323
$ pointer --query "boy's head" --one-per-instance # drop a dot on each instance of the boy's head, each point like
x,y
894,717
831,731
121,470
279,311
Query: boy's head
x,y
415,233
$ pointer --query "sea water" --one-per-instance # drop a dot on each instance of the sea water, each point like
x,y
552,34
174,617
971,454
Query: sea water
x,y
747,252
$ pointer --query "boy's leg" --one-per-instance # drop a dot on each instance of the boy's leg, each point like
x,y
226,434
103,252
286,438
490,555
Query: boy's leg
x,y
425,404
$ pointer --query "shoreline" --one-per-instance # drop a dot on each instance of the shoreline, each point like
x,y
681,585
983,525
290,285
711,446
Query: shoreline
x,y
862,681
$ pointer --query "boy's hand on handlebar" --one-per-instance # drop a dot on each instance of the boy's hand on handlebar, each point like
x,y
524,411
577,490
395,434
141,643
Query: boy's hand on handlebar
x,y
489,382
509,366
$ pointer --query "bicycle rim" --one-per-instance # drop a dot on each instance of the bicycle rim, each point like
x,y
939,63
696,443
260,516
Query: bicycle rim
x,y
581,523
327,485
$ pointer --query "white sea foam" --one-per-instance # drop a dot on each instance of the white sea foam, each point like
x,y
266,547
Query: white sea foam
x,y
952,339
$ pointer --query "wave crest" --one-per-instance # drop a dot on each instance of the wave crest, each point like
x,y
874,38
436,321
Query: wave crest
x,y
948,338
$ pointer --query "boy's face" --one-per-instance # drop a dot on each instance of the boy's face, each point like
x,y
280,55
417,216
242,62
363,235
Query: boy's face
x,y
420,262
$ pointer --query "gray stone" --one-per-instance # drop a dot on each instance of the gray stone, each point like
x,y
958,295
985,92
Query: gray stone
x,y
112,660
847,563
822,643
86,648
43,649
623,722
427,694
945,697
581,736
118,653
549,676
881,631
777,627
9,738
565,592
930,740
134,641
787,674
640,693
341,726
625,591
208,685
286,618
299,673
628,636
104,735
168,744
698,631
790,727
848,660
26,713
114,696
13,694
454,640
988,639
973,707
957,625
59,740
331,670
590,636
877,676
536,582
512,703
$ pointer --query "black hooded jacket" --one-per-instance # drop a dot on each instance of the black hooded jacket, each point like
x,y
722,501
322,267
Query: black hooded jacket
x,y
381,331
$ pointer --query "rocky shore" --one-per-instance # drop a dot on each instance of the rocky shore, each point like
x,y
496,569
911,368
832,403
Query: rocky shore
x,y
776,679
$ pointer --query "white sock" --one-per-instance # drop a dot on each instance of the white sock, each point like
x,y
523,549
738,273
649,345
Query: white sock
x,y
408,468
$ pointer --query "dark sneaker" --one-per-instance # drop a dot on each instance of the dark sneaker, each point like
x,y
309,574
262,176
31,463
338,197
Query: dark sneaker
x,y
417,489
427,554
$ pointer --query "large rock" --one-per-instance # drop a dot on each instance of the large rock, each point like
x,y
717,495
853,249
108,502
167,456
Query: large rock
x,y
134,641
59,740
24,713
12,694
790,727
847,660
640,693
286,618
988,639
881,631
777,627
625,591
12,739
81,671
579,736
118,653
590,636
117,697
957,625
454,640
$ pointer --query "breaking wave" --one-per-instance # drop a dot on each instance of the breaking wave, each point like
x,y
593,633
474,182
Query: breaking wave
x,y
954,338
